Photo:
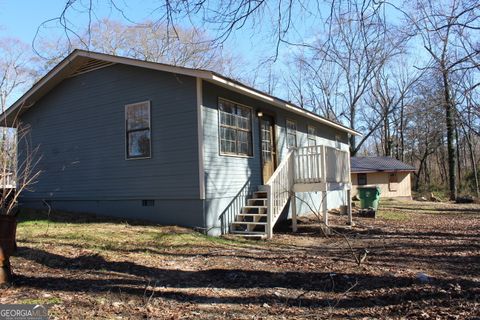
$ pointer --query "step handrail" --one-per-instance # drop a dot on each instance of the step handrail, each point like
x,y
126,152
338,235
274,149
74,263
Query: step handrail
x,y
278,189
280,167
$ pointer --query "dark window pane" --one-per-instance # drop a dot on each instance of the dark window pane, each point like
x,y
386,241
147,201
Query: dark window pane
x,y
362,179
139,143
138,116
138,130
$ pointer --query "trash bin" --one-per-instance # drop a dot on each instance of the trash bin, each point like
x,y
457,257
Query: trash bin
x,y
369,196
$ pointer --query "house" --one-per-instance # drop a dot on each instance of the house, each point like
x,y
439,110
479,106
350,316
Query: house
x,y
391,175
137,139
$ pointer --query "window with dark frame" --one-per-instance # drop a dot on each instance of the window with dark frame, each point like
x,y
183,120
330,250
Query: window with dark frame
x,y
235,123
362,179
311,136
291,134
138,135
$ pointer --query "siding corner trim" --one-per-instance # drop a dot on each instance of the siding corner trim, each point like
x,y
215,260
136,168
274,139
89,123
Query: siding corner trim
x,y
201,167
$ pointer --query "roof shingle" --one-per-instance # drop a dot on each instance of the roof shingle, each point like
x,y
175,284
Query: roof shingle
x,y
378,164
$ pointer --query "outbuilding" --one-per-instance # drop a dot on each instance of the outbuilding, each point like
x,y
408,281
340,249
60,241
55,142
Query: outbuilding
x,y
391,175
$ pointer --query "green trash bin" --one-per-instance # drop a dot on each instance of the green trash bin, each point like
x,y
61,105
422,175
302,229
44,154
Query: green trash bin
x,y
369,196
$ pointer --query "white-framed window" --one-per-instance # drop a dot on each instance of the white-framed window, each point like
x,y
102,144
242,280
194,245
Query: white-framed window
x,y
291,134
235,127
138,142
311,136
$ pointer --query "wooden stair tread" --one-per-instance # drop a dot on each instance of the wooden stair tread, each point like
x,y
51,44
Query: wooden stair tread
x,y
252,215
248,232
250,222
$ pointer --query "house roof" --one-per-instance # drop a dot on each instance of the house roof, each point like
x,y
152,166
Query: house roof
x,y
80,61
378,164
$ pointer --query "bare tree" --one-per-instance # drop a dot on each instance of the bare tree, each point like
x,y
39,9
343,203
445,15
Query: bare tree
x,y
279,19
443,27
147,41
336,72
15,74
391,89
15,70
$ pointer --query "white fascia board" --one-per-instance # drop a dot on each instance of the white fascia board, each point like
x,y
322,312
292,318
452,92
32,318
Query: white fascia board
x,y
253,93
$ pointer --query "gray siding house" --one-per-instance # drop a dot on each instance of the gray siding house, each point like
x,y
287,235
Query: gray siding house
x,y
135,139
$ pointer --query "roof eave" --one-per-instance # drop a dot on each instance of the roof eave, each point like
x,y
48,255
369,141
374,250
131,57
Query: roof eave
x,y
382,170
62,69
222,81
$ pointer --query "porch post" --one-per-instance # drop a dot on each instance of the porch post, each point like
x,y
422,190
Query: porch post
x,y
349,206
349,189
293,205
269,211
324,207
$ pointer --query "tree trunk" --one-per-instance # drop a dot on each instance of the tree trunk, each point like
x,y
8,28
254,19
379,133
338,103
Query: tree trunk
x,y
459,164
449,120
352,137
402,139
473,160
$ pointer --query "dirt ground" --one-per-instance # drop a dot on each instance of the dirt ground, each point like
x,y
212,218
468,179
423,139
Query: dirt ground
x,y
421,260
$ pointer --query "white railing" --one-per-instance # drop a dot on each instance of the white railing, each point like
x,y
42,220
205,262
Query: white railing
x,y
7,181
337,165
309,164
278,189
313,164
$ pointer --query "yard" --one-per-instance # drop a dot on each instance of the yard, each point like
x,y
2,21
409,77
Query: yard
x,y
423,262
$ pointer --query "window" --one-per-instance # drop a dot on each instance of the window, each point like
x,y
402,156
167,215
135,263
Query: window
x,y
362,179
393,182
137,125
291,134
235,128
312,136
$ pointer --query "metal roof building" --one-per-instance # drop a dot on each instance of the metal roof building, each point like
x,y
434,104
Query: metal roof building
x,y
378,164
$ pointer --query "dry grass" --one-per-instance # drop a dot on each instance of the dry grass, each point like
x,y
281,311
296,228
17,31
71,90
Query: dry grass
x,y
98,268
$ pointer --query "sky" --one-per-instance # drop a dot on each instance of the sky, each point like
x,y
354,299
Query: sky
x,y
23,18
253,43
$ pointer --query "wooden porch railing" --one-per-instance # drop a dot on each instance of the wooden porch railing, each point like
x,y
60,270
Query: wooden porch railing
x,y
7,181
315,164
278,189
304,165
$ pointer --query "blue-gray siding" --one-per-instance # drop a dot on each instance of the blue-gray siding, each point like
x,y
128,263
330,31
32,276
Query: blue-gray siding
x,y
230,180
80,128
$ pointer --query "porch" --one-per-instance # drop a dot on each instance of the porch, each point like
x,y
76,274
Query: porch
x,y
305,169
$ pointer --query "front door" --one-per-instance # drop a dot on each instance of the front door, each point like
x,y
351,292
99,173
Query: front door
x,y
267,140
